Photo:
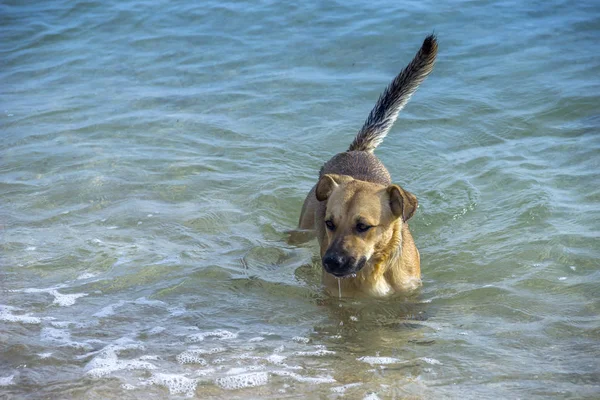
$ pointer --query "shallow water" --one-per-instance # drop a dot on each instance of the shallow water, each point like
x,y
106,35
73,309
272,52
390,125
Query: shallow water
x,y
153,157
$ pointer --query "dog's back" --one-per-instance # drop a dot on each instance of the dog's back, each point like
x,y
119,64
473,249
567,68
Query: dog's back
x,y
359,164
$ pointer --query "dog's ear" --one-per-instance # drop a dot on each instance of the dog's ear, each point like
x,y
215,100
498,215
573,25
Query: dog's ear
x,y
403,203
327,183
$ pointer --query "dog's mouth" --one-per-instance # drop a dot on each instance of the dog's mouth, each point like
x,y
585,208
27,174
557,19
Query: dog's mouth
x,y
344,276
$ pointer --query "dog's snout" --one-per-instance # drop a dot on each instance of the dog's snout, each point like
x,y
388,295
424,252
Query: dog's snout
x,y
339,264
333,262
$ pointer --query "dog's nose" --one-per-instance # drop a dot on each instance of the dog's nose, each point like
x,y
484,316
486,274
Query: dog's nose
x,y
333,262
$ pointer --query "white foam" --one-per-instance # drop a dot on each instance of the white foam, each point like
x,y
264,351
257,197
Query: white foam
x,y
107,361
30,248
151,357
306,379
431,361
316,353
342,389
214,350
44,355
205,372
177,311
562,278
191,357
220,334
86,275
301,339
127,386
156,330
353,318
144,301
276,358
379,360
177,384
279,349
7,316
233,382
371,396
241,370
65,300
7,380
256,339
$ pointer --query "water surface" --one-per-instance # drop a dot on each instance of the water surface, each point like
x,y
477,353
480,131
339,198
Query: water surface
x,y
154,155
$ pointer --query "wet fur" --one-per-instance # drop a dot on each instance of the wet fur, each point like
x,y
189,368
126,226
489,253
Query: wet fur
x,y
355,187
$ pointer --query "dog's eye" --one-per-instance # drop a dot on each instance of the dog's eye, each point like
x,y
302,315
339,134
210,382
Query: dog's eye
x,y
360,227
330,225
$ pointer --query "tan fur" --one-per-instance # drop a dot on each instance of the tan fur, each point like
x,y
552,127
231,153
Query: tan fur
x,y
358,215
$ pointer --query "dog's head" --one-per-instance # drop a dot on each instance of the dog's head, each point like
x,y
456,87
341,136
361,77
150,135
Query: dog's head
x,y
359,220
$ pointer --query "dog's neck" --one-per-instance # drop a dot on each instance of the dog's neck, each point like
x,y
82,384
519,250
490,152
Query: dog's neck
x,y
388,255
372,279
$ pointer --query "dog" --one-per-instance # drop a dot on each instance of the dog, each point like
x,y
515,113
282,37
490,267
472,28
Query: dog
x,y
358,215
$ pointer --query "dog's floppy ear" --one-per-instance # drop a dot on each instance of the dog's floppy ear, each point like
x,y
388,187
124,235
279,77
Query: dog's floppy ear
x,y
327,183
403,203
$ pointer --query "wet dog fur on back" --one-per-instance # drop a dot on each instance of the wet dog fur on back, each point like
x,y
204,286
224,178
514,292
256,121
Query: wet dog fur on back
x,y
359,216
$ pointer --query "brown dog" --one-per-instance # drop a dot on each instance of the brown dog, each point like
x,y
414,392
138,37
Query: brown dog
x,y
359,216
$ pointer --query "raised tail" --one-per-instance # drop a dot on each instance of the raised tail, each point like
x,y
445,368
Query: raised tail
x,y
395,97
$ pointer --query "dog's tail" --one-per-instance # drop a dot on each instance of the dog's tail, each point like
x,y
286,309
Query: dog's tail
x,y
395,97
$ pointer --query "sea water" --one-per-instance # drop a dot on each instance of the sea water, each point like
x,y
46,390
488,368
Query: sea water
x,y
155,155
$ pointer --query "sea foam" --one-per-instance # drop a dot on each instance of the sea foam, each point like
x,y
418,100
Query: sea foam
x,y
6,315
177,384
233,382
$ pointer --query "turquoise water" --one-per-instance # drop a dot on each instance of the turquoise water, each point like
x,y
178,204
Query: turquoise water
x,y
153,157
